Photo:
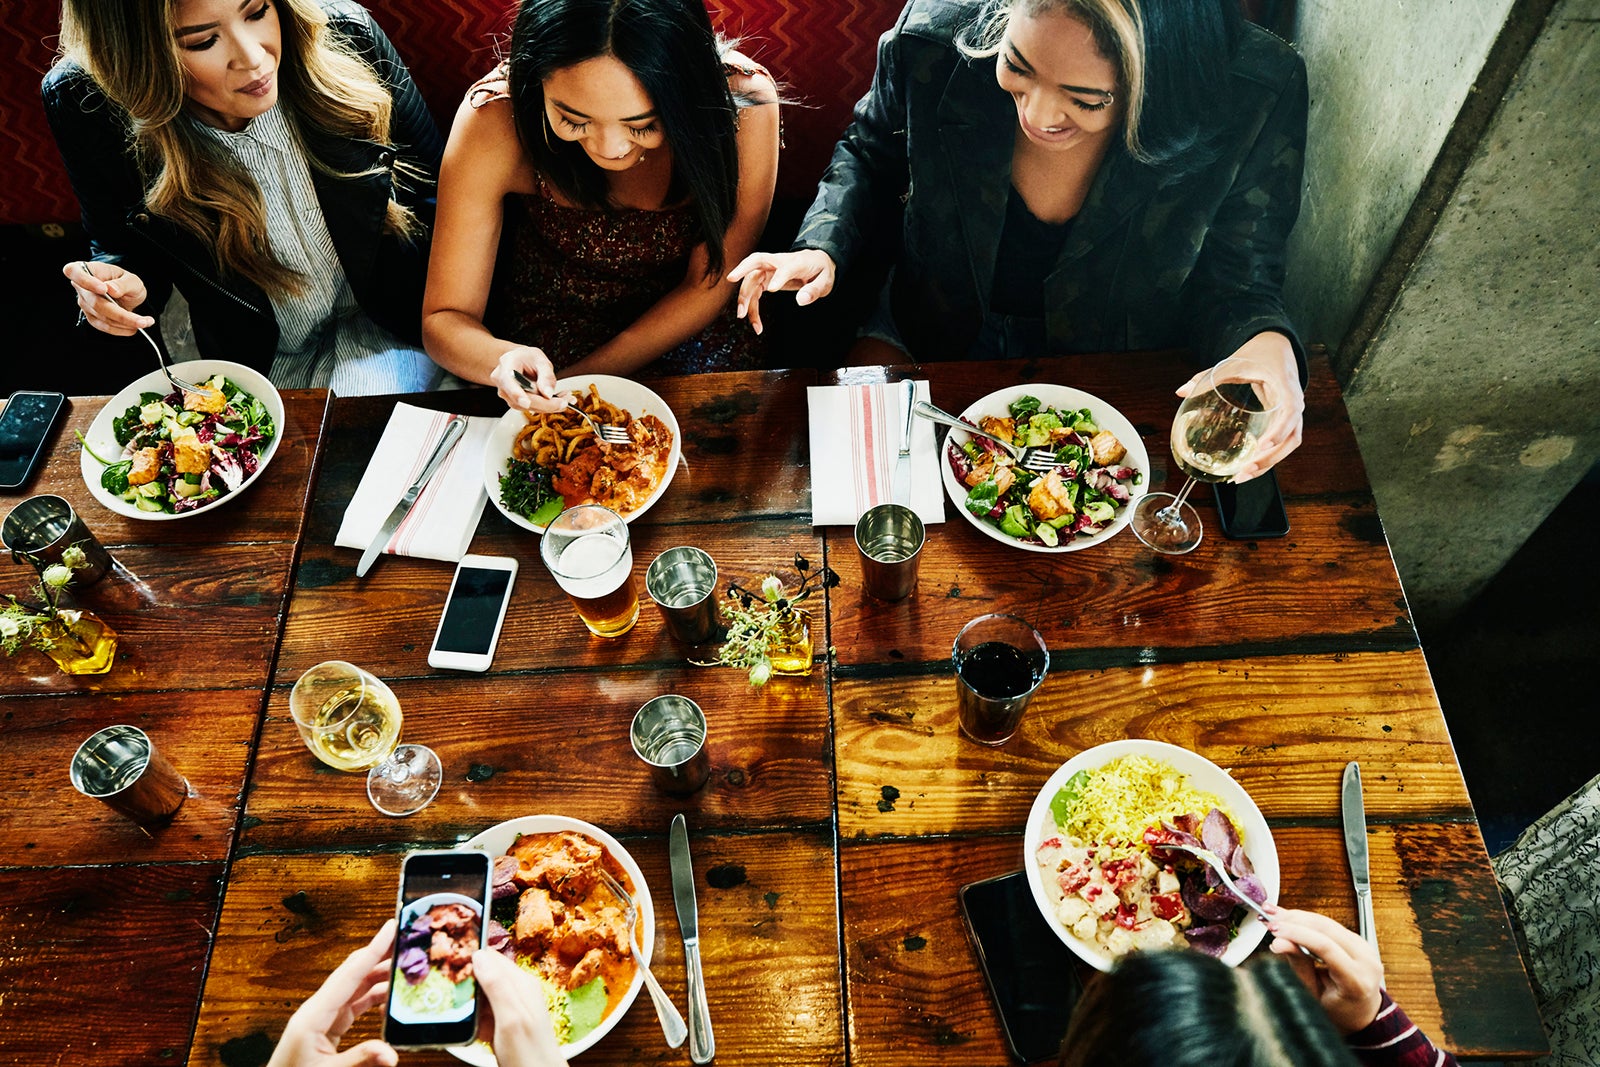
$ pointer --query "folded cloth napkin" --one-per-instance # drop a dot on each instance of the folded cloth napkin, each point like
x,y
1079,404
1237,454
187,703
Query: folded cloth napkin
x,y
855,444
441,523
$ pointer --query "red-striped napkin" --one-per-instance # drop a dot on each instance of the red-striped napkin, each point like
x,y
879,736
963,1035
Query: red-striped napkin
x,y
441,523
855,444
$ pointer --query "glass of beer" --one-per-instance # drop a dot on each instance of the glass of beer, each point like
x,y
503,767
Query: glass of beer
x,y
587,550
351,721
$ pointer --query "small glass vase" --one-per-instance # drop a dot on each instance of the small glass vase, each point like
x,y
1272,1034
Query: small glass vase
x,y
789,643
81,643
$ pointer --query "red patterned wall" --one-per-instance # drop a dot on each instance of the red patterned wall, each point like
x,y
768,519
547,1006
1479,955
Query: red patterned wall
x,y
33,183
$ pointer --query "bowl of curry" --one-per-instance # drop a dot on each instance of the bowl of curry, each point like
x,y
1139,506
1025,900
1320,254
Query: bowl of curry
x,y
553,915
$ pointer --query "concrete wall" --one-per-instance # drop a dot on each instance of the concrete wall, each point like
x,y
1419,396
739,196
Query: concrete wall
x,y
1473,371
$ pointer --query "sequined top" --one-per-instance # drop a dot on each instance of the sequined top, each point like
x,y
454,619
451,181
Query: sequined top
x,y
567,279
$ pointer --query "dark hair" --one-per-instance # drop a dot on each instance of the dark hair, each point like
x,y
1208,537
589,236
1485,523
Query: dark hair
x,y
1187,1009
670,47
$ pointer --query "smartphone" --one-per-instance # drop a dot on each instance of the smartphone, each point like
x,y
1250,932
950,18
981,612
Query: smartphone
x,y
433,999
473,613
1251,510
25,426
1031,973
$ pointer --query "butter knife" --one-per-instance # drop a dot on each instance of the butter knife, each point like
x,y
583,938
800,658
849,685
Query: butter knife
x,y
702,1045
453,430
1355,849
902,470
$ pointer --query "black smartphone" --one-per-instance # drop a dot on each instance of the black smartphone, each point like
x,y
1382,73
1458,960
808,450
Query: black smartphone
x,y
474,611
433,999
25,426
1251,510
1033,976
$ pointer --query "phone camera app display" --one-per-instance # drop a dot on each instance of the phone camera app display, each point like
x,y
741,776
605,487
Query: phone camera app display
x,y
433,959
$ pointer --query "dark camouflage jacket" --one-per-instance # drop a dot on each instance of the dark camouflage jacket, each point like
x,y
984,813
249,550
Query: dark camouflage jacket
x,y
925,168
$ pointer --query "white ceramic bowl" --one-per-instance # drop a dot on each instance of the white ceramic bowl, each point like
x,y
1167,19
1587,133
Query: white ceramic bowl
x,y
104,441
1203,775
408,914
637,400
499,837
1062,398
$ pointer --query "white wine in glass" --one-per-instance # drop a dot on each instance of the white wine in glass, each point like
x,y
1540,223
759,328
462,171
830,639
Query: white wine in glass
x,y
1215,433
351,721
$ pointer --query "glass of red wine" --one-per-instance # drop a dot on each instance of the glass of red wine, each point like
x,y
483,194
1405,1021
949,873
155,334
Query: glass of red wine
x,y
1000,662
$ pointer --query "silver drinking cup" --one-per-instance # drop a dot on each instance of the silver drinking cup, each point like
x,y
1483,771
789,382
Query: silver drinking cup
x,y
669,733
683,583
890,537
120,766
41,528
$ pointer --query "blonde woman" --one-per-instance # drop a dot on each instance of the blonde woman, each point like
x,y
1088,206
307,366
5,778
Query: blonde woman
x,y
269,158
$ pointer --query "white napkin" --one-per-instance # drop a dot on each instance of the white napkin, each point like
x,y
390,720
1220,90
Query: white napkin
x,y
441,523
855,445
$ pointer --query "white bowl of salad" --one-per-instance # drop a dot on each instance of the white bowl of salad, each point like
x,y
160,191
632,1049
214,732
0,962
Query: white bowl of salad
x,y
1094,862
1086,500
156,453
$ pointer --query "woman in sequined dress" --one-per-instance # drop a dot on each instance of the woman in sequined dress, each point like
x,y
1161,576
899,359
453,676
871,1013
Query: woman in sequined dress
x,y
594,191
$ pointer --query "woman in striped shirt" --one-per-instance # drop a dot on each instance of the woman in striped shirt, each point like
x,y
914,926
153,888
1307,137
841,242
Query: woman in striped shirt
x,y
269,158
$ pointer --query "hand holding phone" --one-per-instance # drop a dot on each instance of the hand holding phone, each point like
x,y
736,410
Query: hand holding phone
x,y
433,996
25,426
474,611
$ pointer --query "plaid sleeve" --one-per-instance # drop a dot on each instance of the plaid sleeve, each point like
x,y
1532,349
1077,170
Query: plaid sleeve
x,y
1392,1040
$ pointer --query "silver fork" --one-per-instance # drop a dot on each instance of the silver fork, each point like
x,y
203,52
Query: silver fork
x,y
1214,861
672,1024
612,435
161,357
1038,460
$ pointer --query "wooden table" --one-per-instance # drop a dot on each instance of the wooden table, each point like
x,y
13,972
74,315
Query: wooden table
x,y
843,810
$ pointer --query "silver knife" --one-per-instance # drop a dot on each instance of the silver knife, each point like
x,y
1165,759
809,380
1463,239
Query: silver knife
x,y
1355,848
902,470
452,432
702,1045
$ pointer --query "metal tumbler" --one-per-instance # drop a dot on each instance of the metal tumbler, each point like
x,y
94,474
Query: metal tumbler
x,y
683,583
41,528
890,537
669,733
120,766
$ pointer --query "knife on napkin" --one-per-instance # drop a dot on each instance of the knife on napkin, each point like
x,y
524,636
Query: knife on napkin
x,y
702,1045
453,430
1355,849
902,470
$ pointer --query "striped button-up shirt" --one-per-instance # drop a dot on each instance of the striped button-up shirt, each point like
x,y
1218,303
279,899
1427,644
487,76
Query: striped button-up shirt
x,y
324,338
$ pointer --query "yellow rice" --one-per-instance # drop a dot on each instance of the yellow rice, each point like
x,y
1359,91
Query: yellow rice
x,y
1130,794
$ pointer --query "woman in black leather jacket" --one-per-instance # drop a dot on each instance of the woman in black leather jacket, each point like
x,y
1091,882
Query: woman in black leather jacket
x,y
1057,176
272,160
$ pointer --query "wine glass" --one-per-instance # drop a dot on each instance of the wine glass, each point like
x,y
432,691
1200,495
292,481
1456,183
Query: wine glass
x,y
351,722
1214,434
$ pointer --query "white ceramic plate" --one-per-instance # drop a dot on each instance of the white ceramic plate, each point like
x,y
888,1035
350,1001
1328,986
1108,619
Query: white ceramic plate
x,y
1062,398
104,441
408,914
630,396
499,837
1203,775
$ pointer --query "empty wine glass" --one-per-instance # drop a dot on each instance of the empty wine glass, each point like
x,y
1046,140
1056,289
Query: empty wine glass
x,y
351,721
1214,434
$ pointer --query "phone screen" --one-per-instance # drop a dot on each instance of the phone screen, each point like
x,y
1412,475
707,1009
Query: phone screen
x,y
1251,510
433,998
471,615
24,425
1033,976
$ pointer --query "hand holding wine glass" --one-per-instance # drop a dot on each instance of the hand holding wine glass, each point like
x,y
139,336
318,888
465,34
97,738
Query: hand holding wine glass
x,y
351,721
1214,435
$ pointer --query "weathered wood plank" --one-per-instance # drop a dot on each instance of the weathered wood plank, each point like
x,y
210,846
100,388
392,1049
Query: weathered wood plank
x,y
1285,726
768,929
103,965
516,745
917,996
45,822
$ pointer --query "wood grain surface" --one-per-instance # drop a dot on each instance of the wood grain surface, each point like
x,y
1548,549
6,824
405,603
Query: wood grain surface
x,y
768,929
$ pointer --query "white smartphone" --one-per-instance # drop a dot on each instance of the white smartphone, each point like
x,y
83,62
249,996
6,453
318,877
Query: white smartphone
x,y
473,613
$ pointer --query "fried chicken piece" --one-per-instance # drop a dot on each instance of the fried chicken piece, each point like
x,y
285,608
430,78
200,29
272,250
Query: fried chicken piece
x,y
1049,497
190,455
146,466
207,398
536,920
1105,449
572,479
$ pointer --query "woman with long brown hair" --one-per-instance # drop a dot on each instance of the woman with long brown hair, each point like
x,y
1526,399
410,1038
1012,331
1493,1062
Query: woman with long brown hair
x,y
269,158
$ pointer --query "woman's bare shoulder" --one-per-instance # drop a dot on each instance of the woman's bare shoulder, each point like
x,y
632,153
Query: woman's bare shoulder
x,y
749,79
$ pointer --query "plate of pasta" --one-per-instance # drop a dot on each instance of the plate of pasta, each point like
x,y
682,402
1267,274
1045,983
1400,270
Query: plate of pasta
x,y
537,465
